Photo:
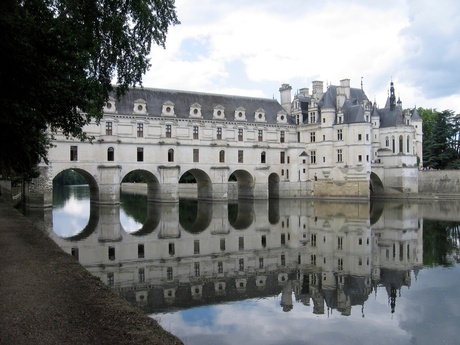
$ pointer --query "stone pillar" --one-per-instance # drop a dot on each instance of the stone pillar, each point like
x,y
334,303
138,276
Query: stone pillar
x,y
39,191
109,184
219,180
109,227
169,182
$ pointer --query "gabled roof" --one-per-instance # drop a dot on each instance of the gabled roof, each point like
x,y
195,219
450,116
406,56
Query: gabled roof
x,y
182,100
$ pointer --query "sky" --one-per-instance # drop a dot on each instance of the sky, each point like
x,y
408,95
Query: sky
x,y
251,48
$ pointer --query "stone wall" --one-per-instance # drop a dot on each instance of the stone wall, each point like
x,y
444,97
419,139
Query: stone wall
x,y
439,182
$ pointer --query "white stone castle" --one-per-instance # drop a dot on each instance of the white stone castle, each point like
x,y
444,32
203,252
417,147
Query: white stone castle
x,y
328,143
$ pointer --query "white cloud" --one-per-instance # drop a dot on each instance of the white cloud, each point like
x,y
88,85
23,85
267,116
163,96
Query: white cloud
x,y
252,48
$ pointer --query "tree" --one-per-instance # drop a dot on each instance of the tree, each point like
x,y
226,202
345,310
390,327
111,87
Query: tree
x,y
440,144
59,58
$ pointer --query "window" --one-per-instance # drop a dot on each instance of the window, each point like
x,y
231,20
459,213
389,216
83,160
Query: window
x,y
74,253
313,157
264,241
168,131
241,265
195,132
339,134
282,157
140,130
367,137
407,144
171,248
387,141
340,118
260,135
298,137
141,275
170,155
339,156
400,144
261,262
340,242
283,260
282,137
197,269
393,144
240,156
110,154
360,137
313,240
222,156
313,259
196,155
196,247
111,253
74,153
108,128
241,243
220,267
219,133
169,273
240,134
312,137
283,239
360,158
222,244
140,251
262,157
340,264
140,154
110,279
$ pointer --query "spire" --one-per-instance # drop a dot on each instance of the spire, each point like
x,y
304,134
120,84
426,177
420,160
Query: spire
x,y
392,96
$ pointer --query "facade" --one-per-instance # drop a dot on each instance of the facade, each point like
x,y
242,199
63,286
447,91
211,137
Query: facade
x,y
332,143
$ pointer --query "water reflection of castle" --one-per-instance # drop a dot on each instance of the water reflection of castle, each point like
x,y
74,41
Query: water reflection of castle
x,y
330,254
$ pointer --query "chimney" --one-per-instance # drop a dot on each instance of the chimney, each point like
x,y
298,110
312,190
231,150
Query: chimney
x,y
317,89
285,94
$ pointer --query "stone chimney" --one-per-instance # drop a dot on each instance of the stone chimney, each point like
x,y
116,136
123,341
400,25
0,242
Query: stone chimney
x,y
317,89
285,94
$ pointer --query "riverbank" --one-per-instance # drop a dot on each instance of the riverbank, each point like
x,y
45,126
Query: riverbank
x,y
49,298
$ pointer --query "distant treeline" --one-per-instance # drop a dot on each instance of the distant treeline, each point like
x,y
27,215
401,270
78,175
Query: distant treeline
x,y
69,177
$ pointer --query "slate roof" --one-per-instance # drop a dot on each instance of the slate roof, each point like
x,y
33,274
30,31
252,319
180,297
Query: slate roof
x,y
155,98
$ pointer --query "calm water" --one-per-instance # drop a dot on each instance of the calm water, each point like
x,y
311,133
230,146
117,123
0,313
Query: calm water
x,y
285,272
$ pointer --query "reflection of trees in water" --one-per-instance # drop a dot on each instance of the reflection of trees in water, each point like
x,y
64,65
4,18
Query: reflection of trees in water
x,y
135,206
195,216
63,193
440,242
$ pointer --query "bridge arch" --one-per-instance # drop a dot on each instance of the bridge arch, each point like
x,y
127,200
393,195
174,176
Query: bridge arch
x,y
203,183
153,185
375,185
245,184
92,183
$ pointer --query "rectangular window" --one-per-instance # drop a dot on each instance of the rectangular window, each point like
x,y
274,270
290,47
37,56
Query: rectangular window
x,y
313,259
283,260
196,247
220,267
168,131
360,137
261,262
340,243
110,279
241,243
240,156
74,153
222,244
241,265
367,137
260,135
283,239
282,157
340,264
140,130
140,154
196,155
313,157
140,251
313,240
141,275
360,158
169,273
282,137
298,137
219,133
111,253
240,134
264,241
197,269
339,134
195,132
312,117
312,137
339,156
171,248
108,128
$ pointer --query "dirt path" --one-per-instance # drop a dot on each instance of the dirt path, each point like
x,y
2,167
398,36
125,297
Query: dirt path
x,y
46,297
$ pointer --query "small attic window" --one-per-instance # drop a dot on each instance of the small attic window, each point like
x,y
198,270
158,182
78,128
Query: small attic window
x,y
110,105
140,106
281,117
240,114
219,112
195,110
260,115
168,109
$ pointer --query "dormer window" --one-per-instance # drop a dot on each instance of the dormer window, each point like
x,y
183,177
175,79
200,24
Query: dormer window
x,y
219,112
195,110
168,109
240,114
259,115
110,106
140,106
281,117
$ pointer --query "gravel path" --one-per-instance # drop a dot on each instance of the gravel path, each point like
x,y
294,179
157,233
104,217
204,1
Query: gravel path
x,y
47,297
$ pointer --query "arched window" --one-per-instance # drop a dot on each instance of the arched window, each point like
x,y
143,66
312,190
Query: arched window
x,y
170,155
393,144
408,144
222,156
110,154
262,157
400,144
387,141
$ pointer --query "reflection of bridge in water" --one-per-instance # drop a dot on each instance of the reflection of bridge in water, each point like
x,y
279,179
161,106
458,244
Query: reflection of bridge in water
x,y
330,254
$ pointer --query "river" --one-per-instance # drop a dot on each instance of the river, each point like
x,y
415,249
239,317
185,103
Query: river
x,y
274,272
